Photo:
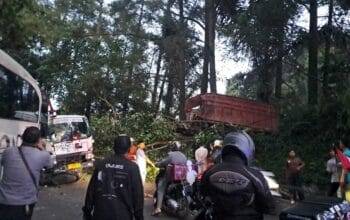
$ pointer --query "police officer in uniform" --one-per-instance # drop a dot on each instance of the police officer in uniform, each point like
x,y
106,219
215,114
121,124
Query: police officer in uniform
x,y
115,190
237,191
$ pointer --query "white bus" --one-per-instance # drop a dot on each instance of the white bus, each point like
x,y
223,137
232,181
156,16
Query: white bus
x,y
20,102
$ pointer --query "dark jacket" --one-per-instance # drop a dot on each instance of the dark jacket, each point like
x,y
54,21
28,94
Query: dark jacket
x,y
237,191
115,191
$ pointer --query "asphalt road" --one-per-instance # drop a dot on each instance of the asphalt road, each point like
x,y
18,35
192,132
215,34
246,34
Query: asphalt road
x,y
65,202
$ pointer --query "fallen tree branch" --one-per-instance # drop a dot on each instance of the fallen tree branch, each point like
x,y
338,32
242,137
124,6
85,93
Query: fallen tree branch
x,y
165,143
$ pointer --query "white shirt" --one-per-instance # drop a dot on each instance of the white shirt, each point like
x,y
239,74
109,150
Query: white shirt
x,y
334,169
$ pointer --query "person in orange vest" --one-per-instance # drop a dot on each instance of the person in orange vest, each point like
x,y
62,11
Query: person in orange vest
x,y
132,151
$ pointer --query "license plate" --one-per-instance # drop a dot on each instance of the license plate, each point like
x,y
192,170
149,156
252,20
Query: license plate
x,y
74,166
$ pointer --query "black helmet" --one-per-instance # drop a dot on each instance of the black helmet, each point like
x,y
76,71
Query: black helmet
x,y
122,144
239,142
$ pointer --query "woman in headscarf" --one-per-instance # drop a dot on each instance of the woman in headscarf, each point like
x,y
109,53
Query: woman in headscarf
x,y
201,155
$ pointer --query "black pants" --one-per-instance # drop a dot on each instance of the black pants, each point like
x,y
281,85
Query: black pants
x,y
16,212
333,188
295,187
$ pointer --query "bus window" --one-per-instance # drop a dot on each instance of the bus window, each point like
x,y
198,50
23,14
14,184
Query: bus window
x,y
18,99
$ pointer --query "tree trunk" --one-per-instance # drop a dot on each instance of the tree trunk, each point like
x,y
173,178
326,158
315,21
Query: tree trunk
x,y
204,82
327,49
265,89
280,36
169,98
211,44
182,64
125,102
161,92
279,73
88,110
128,88
279,61
156,82
168,42
313,49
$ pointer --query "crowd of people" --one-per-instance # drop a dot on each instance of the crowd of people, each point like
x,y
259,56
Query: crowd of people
x,y
116,189
339,184
337,167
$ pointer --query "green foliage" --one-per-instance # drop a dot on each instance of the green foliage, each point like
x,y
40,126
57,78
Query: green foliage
x,y
205,137
311,132
141,126
272,154
104,132
152,172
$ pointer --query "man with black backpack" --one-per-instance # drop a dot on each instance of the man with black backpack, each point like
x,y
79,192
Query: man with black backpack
x,y
115,190
21,173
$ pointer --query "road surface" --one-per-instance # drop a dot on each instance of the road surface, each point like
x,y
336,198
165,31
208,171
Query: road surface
x,y
65,202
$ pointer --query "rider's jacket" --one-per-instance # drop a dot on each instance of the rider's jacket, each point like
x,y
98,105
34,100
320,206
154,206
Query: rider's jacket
x,y
237,191
115,191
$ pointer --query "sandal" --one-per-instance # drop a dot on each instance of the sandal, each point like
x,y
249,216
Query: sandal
x,y
156,212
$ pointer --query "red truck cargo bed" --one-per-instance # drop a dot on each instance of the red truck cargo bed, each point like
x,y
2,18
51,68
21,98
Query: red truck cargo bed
x,y
233,110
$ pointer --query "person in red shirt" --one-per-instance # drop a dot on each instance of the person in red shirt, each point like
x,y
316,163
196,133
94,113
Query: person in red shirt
x,y
294,167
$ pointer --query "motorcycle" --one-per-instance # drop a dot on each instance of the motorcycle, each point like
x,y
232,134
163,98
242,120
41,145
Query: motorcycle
x,y
178,193
200,207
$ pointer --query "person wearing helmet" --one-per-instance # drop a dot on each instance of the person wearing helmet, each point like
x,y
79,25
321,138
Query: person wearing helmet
x,y
115,190
236,190
216,154
175,156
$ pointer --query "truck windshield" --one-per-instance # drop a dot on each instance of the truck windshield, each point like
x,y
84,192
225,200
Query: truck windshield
x,y
68,131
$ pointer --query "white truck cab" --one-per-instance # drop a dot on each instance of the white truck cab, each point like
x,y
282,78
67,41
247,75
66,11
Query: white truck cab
x,y
70,141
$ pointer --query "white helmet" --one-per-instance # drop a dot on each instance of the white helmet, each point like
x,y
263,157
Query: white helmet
x,y
218,143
